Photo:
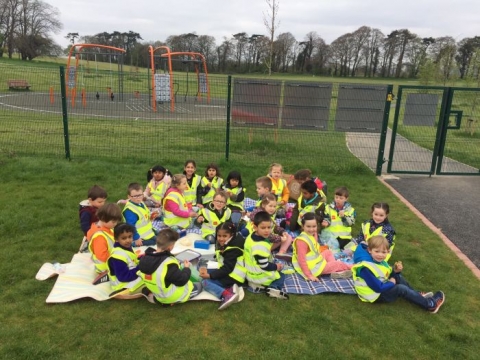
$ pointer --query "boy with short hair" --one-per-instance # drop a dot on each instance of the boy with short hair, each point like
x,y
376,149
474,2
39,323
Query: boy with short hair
x,y
309,201
123,262
166,282
261,270
374,281
264,186
137,214
340,216
306,174
100,236
96,198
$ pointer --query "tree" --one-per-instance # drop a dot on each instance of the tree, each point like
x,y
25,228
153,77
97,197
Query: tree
x,y
360,39
285,49
271,23
37,19
71,37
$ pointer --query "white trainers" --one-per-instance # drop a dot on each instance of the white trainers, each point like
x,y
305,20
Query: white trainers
x,y
275,293
346,274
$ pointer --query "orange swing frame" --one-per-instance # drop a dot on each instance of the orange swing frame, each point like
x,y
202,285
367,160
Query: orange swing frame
x,y
80,48
168,55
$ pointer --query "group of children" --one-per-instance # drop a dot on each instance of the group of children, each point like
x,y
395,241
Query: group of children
x,y
250,250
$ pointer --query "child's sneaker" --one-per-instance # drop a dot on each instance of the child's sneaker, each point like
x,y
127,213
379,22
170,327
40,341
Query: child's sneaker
x,y
228,299
148,295
426,295
275,293
439,299
101,278
346,274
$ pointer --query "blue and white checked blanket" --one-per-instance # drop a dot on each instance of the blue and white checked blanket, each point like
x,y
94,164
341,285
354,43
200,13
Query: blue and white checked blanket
x,y
296,284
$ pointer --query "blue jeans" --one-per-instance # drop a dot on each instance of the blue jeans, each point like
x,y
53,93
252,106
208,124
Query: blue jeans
x,y
403,289
214,287
278,284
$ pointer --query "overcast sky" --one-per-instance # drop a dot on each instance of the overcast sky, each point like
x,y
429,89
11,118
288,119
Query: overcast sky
x,y
157,19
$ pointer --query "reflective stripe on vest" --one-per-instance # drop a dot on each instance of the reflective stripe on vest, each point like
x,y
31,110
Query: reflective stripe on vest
x,y
255,274
156,284
157,193
336,224
307,209
100,265
381,272
216,184
209,227
169,218
235,191
190,194
131,260
239,272
143,225
315,261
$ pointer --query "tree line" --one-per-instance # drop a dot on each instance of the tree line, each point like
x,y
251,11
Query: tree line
x,y
26,25
366,52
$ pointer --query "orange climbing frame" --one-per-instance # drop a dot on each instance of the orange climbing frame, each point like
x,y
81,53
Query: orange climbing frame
x,y
168,55
77,58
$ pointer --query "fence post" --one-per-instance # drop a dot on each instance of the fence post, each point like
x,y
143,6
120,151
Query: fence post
x,y
64,113
383,134
229,98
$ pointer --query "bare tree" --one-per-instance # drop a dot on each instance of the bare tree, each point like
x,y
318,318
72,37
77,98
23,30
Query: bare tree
x,y
271,23
360,39
71,37
285,47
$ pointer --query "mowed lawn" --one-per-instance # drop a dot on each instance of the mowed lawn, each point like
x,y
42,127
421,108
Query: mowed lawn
x,y
39,223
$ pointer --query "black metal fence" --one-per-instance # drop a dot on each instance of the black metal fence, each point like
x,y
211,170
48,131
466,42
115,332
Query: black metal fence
x,y
135,115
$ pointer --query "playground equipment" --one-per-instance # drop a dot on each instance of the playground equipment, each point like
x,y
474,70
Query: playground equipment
x,y
163,84
71,76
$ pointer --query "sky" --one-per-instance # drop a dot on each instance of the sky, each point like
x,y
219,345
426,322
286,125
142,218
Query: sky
x,y
158,19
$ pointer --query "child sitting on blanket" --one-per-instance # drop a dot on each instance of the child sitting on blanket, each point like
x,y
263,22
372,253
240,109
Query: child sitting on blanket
x,y
340,217
375,283
192,192
87,209
262,271
278,236
214,214
177,214
279,188
377,225
166,281
309,261
123,262
158,181
264,186
210,182
236,195
137,213
306,174
100,236
308,202
223,282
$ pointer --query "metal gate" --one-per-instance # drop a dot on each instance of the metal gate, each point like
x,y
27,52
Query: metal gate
x,y
434,131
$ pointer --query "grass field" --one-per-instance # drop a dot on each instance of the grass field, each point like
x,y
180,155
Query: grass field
x,y
40,223
39,212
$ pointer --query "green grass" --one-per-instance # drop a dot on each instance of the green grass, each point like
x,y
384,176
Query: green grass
x,y
40,223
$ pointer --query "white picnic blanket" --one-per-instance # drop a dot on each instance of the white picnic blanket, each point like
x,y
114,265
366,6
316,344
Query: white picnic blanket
x,y
75,279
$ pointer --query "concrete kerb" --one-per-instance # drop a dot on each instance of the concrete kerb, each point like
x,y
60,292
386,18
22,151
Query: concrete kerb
x,y
436,230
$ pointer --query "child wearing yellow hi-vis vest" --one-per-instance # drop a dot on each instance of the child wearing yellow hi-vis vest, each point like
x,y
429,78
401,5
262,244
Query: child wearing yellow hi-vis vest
x,y
100,236
210,183
375,282
123,261
166,282
223,282
377,225
309,261
214,214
